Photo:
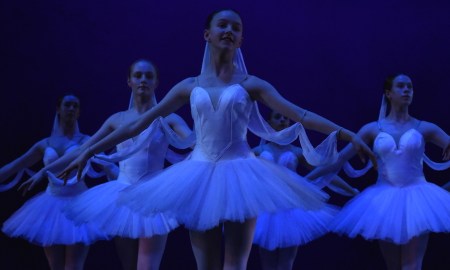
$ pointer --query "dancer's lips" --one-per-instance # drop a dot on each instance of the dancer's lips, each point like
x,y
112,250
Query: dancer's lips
x,y
228,38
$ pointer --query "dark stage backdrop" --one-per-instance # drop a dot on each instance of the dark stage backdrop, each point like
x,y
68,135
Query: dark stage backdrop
x,y
330,57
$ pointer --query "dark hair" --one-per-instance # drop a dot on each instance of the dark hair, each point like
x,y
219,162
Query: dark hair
x,y
61,98
212,14
389,81
130,68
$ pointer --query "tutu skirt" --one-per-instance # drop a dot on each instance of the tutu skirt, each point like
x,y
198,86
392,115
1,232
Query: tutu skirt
x,y
201,194
292,227
395,214
99,205
41,221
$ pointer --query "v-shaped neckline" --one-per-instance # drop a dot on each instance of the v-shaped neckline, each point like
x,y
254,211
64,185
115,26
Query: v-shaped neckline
x,y
215,107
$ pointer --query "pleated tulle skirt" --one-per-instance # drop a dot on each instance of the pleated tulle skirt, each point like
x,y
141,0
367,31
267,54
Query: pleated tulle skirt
x,y
201,194
395,214
41,221
292,227
99,206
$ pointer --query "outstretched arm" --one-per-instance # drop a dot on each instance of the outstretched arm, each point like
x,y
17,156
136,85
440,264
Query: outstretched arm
x,y
59,164
437,136
31,157
176,97
367,133
267,94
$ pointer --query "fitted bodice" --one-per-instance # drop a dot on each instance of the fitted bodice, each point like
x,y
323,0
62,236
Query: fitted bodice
x,y
400,163
50,154
221,129
147,160
56,187
286,159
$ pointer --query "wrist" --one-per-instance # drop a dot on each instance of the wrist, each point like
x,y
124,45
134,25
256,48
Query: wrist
x,y
344,134
90,151
348,135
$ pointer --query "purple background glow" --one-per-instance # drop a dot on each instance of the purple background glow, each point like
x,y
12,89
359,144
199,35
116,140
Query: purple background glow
x,y
330,57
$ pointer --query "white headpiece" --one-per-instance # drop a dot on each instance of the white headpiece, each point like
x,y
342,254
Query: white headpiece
x,y
383,108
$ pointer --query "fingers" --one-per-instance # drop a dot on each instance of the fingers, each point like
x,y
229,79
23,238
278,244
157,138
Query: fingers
x,y
373,158
365,150
25,187
79,173
22,186
65,177
446,154
24,192
362,157
65,174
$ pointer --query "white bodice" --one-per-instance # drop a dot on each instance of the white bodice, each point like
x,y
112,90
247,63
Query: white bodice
x,y
400,164
221,129
150,158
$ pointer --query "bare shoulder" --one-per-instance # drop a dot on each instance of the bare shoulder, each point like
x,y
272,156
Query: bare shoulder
x,y
116,119
425,125
428,128
185,86
41,145
257,87
254,83
369,131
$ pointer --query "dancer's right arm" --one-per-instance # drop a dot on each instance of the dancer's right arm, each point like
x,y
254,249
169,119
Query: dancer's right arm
x,y
31,157
175,98
58,165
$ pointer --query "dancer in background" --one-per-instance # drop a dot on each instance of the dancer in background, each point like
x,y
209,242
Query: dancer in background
x,y
402,207
40,220
98,205
278,235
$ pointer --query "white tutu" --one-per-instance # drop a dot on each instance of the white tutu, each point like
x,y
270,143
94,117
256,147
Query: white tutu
x,y
98,205
41,221
402,204
395,214
201,194
293,227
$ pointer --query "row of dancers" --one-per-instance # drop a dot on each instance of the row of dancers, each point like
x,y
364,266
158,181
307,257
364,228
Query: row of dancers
x,y
228,195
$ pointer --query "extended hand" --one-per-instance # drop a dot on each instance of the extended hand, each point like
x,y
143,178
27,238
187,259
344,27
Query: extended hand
x,y
79,163
446,153
362,149
30,183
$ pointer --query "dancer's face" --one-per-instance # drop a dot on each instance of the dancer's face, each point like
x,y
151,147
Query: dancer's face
x,y
143,79
225,30
69,109
401,92
278,121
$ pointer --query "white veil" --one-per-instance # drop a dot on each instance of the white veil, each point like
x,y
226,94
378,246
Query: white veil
x,y
57,129
238,61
